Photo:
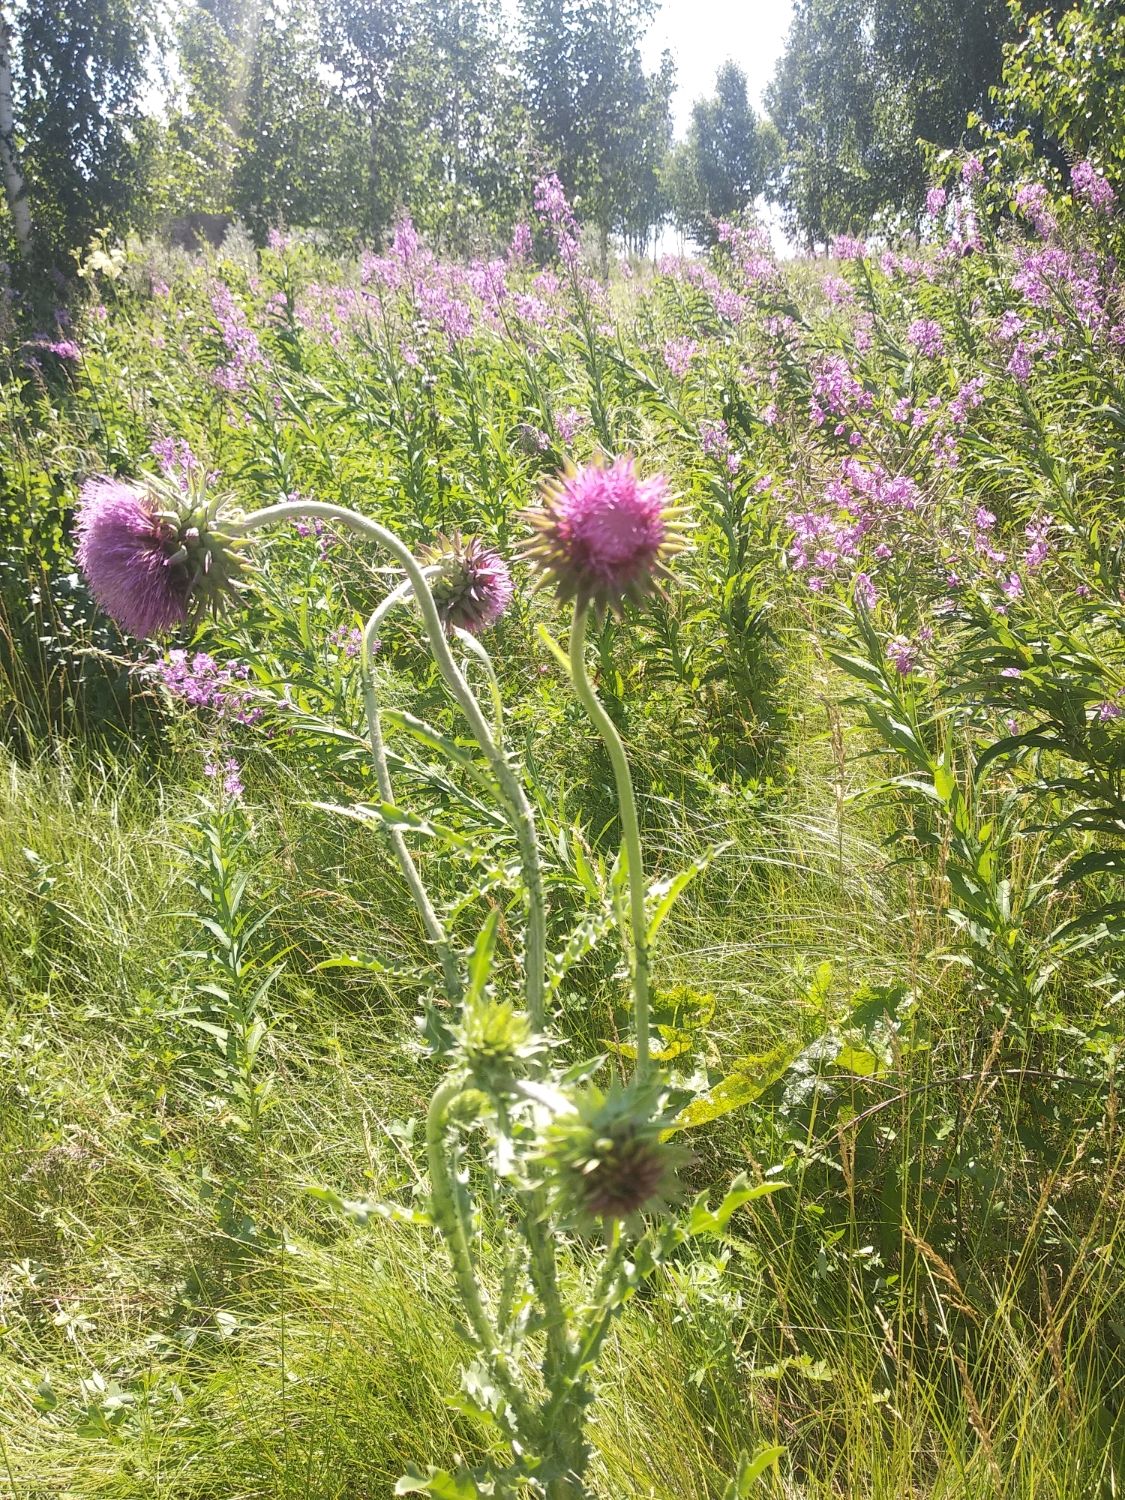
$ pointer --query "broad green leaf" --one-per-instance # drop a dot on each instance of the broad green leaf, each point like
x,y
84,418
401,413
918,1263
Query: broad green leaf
x,y
705,1221
440,1483
750,1470
751,1079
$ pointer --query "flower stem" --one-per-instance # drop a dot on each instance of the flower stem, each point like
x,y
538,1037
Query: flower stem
x,y
519,809
630,832
430,919
450,1217
474,648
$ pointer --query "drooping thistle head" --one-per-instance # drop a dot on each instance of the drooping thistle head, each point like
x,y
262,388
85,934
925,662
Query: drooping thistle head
x,y
604,535
603,1159
153,555
473,587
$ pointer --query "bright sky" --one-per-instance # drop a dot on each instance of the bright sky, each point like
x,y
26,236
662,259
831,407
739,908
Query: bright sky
x,y
702,34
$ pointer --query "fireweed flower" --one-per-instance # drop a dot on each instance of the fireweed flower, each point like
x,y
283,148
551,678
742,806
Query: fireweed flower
x,y
926,337
473,588
902,655
1089,184
604,535
603,1159
153,555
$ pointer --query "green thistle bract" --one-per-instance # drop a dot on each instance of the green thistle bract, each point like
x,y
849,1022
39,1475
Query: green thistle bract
x,y
473,587
604,1160
495,1039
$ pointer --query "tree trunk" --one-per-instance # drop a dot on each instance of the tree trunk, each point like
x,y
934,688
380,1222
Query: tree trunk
x,y
15,187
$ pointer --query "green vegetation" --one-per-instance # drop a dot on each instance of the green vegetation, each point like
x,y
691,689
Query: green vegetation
x,y
878,716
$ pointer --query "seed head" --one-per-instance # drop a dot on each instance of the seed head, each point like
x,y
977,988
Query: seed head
x,y
605,1159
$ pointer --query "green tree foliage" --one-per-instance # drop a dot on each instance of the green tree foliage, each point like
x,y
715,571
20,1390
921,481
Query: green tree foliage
x,y
300,149
367,43
859,84
215,40
726,159
600,121
1067,73
79,70
470,123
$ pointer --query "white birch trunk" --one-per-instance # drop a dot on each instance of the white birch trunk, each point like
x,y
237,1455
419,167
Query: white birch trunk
x,y
15,187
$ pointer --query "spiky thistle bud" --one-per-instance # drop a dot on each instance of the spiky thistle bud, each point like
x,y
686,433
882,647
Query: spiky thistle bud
x,y
604,535
603,1157
154,556
473,587
495,1040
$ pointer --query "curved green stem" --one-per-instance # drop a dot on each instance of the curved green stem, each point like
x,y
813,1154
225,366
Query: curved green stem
x,y
435,931
630,832
450,1217
519,808
474,648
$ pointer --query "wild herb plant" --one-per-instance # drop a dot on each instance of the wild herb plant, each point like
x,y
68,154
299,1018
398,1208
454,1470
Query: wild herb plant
x,y
555,1148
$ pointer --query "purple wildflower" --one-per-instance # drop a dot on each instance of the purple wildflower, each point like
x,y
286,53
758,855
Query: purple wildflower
x,y
935,202
473,587
1032,202
175,458
925,336
130,553
846,247
229,771
202,682
972,171
603,534
1019,365
349,639
1089,184
863,591
678,355
568,422
552,206
902,655
519,250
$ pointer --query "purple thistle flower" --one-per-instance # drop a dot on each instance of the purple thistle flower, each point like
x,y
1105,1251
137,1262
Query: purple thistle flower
x,y
603,534
148,554
129,552
473,588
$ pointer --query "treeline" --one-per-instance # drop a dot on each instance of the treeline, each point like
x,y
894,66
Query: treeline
x,y
336,115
